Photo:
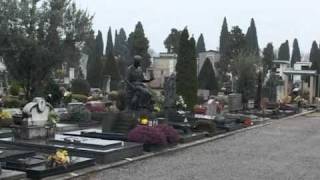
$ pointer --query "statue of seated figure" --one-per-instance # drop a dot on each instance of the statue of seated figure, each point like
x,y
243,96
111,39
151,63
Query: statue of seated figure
x,y
138,95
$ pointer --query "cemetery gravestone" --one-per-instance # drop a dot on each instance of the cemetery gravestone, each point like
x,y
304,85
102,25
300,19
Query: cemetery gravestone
x,y
83,142
34,121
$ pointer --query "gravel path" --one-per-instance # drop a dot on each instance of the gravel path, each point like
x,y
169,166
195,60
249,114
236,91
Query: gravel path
x,y
285,150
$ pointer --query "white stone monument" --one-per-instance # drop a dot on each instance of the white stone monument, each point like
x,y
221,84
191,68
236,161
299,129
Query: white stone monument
x,y
34,123
37,111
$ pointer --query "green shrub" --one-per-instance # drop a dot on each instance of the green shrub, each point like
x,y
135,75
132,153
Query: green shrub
x,y
53,89
80,97
53,119
14,89
80,86
13,102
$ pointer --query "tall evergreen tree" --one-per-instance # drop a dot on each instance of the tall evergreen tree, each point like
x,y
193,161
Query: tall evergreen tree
x,y
247,76
139,45
252,39
224,39
111,69
116,42
121,45
268,57
94,70
296,56
171,43
237,46
315,59
225,51
315,56
207,78
95,65
237,42
109,46
201,47
99,44
121,51
284,51
186,69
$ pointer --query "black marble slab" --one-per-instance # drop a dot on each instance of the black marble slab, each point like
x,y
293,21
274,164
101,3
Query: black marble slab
x,y
84,142
37,168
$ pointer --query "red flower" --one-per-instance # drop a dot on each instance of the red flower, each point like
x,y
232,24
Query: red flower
x,y
248,122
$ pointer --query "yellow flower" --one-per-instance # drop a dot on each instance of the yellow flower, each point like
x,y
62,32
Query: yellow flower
x,y
144,121
5,115
60,157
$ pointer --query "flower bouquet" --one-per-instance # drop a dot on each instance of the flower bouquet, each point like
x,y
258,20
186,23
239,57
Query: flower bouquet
x,y
5,119
60,158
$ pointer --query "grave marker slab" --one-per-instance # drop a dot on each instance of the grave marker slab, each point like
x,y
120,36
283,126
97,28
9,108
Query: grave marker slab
x,y
85,142
12,175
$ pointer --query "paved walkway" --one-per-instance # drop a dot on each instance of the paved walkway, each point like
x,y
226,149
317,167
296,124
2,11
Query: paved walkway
x,y
285,150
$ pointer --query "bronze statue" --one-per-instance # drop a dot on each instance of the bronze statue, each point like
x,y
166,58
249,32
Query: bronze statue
x,y
138,95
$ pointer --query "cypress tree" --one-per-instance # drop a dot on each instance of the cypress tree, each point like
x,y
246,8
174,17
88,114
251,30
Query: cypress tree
x,y
111,69
201,47
121,45
110,64
186,69
224,38
121,51
284,51
94,74
315,59
139,45
225,51
252,39
207,78
95,65
109,46
315,56
268,57
99,44
116,43
296,56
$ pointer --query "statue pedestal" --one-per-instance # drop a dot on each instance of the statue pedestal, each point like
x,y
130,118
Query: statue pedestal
x,y
124,121
119,122
33,132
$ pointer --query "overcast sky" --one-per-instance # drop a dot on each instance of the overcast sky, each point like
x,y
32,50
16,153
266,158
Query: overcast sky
x,y
276,20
